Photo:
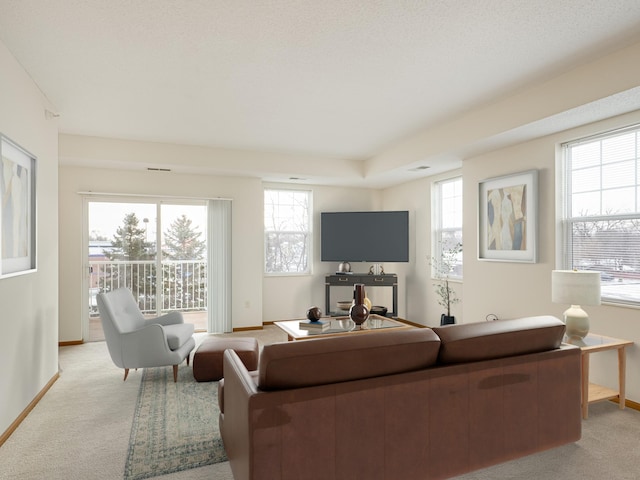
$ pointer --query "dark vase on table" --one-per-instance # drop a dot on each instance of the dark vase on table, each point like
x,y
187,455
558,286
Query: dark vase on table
x,y
358,311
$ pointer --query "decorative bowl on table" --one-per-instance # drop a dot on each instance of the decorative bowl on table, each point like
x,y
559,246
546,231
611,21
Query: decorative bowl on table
x,y
346,305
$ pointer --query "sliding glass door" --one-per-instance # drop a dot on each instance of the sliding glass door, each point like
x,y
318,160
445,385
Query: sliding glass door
x,y
157,249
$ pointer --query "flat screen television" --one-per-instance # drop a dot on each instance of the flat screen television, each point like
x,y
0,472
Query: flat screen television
x,y
364,236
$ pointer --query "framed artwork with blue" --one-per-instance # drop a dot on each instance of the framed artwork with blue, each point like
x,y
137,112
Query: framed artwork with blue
x,y
508,218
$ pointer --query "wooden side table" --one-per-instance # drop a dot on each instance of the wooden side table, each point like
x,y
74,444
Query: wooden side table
x,y
591,392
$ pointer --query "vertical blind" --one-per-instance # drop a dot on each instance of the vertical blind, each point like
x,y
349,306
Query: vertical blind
x,y
219,264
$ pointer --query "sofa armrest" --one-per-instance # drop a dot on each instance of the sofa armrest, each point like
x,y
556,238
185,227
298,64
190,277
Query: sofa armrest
x,y
235,426
233,367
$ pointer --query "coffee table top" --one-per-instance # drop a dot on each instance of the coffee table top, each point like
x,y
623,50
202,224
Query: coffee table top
x,y
339,326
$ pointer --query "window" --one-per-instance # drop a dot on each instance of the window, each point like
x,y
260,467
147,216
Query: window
x,y
600,211
447,228
287,231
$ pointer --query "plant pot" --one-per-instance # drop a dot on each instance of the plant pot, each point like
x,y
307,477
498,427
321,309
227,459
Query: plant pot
x,y
447,319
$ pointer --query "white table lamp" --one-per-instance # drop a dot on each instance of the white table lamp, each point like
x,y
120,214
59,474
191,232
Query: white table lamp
x,y
575,287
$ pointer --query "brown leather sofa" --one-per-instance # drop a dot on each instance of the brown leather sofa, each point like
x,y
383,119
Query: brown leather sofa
x,y
405,404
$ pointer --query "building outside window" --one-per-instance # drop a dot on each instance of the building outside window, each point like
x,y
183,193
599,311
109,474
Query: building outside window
x,y
447,225
287,231
599,211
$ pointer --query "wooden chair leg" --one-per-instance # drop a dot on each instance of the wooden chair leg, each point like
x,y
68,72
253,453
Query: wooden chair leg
x,y
175,373
126,373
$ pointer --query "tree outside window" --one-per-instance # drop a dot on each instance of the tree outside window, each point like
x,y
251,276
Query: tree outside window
x,y
447,227
287,231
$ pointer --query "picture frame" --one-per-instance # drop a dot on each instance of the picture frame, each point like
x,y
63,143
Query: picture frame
x,y
17,209
508,218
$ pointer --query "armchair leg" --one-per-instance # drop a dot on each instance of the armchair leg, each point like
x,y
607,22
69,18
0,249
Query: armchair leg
x,y
188,360
175,373
126,373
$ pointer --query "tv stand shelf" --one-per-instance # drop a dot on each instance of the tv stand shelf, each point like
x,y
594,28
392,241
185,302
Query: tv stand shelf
x,y
385,280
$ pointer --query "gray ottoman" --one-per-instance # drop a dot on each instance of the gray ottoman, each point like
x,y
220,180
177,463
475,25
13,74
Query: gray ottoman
x,y
207,361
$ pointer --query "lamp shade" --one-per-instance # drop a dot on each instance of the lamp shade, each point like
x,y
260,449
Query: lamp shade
x,y
575,287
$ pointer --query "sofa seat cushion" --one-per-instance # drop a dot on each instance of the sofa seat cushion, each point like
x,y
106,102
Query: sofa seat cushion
x,y
328,360
178,334
473,342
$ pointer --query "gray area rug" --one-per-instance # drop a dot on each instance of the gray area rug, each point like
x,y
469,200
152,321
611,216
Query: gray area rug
x,y
175,425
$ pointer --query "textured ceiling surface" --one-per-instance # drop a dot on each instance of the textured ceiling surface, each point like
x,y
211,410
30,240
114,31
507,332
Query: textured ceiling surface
x,y
340,78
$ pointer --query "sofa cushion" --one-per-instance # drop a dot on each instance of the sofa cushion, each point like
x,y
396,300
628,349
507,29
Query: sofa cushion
x,y
472,342
349,357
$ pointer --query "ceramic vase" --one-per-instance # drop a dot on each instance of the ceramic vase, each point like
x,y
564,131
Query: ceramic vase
x,y
358,311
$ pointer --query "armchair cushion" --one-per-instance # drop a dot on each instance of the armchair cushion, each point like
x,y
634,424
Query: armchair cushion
x,y
178,334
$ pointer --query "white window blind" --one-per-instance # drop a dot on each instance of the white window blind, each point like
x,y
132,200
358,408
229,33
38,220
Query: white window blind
x,y
600,217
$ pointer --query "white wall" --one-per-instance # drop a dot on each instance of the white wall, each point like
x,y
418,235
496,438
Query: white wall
x,y
416,290
29,303
247,230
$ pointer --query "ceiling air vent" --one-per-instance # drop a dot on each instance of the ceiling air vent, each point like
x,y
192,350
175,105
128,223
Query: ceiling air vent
x,y
420,168
152,169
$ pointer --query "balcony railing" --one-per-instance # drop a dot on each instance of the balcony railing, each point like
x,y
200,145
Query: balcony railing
x,y
181,284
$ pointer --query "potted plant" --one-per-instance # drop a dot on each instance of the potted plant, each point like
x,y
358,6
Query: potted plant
x,y
442,268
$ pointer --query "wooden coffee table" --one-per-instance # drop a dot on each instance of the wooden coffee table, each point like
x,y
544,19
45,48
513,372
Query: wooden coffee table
x,y
340,326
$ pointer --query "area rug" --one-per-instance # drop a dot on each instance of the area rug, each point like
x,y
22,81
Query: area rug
x,y
175,425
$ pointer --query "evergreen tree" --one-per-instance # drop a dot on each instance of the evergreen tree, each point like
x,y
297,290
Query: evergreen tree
x,y
130,241
183,274
130,245
182,241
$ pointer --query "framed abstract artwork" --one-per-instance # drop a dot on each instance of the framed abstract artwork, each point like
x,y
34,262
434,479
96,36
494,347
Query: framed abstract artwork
x,y
507,218
17,209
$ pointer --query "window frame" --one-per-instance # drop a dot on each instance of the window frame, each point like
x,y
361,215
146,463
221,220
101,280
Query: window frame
x,y
308,232
437,229
565,256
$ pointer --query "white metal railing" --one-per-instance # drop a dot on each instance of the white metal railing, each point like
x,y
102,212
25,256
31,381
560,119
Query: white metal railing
x,y
181,285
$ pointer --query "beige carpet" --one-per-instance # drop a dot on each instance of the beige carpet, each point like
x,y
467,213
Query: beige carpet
x,y
80,431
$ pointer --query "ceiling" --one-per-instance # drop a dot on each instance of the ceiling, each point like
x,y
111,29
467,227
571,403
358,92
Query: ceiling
x,y
335,79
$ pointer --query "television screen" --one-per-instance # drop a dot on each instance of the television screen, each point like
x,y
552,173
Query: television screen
x,y
364,236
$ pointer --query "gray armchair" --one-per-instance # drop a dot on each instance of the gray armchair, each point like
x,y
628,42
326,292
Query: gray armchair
x,y
136,342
